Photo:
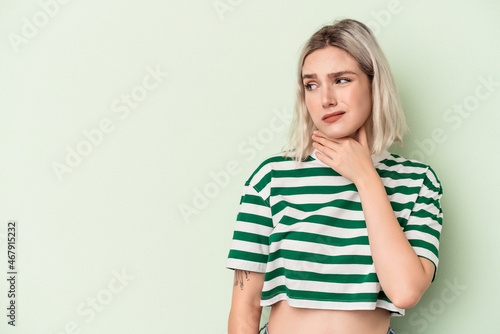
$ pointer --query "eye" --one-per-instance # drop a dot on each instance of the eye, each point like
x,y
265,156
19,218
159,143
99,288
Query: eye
x,y
310,86
343,80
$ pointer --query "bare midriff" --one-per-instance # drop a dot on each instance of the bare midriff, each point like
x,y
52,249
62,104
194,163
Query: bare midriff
x,y
285,319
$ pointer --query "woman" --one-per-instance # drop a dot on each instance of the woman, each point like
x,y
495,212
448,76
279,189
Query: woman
x,y
337,234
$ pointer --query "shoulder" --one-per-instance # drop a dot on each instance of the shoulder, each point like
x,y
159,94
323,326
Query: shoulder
x,y
395,166
270,165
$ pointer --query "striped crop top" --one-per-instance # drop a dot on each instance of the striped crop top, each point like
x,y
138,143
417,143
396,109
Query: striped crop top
x,y
303,226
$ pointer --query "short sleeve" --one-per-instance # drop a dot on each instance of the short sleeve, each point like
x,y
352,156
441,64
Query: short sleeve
x,y
250,245
423,229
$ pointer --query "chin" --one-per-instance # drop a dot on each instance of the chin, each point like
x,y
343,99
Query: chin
x,y
338,134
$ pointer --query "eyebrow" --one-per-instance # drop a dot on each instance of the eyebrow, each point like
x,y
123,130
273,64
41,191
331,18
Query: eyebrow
x,y
330,75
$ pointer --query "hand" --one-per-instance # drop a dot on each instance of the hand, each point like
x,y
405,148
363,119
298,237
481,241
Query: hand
x,y
348,157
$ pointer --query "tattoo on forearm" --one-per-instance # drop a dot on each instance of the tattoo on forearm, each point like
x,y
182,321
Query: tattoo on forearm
x,y
240,277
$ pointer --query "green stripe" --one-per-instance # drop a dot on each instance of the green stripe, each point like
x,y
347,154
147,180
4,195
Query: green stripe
x,y
383,296
401,206
424,229
318,238
429,201
399,176
407,163
320,296
252,199
305,172
424,214
247,256
268,161
256,219
402,221
327,278
251,237
337,203
325,220
428,183
405,190
424,244
300,190
320,258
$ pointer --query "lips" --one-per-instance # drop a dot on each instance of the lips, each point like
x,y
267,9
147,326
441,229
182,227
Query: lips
x,y
332,117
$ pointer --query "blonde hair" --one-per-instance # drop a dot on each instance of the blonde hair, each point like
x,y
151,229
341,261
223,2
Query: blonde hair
x,y
386,123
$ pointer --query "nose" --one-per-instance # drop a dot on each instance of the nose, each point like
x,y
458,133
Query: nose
x,y
328,99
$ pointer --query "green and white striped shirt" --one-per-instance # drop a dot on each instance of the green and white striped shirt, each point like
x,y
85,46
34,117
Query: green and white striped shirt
x,y
303,226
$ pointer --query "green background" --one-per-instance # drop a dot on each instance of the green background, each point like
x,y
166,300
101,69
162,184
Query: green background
x,y
188,145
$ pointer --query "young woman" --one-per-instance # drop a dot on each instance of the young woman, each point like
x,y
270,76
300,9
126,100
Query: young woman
x,y
337,234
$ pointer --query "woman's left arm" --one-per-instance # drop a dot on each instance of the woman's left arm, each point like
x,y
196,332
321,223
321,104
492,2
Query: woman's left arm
x,y
403,275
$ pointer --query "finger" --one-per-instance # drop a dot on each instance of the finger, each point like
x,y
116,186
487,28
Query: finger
x,y
323,157
318,133
362,138
324,150
325,142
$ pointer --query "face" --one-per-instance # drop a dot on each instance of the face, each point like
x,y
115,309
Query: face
x,y
337,92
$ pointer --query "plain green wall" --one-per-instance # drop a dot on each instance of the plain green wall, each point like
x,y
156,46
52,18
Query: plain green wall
x,y
108,250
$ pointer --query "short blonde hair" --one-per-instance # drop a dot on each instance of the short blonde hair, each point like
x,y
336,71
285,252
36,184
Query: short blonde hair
x,y
387,122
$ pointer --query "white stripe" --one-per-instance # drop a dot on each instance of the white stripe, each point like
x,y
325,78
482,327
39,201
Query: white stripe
x,y
423,252
310,181
326,211
384,304
433,179
251,247
402,198
302,303
320,249
327,287
429,208
407,182
255,209
426,192
246,265
321,268
417,235
317,198
253,228
320,229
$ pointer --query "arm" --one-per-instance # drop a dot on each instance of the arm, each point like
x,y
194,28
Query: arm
x,y
245,313
403,275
